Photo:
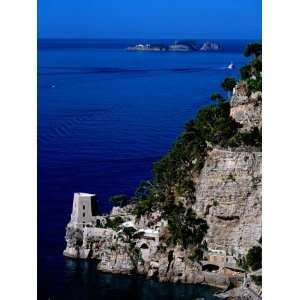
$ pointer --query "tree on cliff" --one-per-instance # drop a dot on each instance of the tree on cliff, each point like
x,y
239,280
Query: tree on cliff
x,y
119,200
216,97
252,260
228,84
186,228
251,72
253,49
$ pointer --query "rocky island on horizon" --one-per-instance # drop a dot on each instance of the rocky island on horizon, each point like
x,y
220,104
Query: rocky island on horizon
x,y
178,46
199,220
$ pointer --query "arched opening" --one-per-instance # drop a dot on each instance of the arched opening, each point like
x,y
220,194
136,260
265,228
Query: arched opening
x,y
144,246
98,223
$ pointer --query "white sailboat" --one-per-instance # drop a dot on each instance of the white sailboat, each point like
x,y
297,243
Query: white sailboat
x,y
230,66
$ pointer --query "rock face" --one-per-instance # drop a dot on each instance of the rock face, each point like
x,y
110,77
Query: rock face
x,y
228,195
173,265
246,109
117,260
241,293
228,189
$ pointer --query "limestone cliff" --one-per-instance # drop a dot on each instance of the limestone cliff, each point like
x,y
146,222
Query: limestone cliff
x,y
228,195
228,188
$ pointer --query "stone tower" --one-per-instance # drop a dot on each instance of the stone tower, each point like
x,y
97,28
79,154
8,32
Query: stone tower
x,y
84,210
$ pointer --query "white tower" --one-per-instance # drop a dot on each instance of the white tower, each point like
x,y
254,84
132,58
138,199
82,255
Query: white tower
x,y
84,210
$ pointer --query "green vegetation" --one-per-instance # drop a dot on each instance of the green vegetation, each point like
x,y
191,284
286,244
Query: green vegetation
x,y
245,72
147,196
253,259
251,138
242,263
257,279
255,84
251,73
113,222
213,125
119,200
228,84
185,227
253,49
217,97
197,253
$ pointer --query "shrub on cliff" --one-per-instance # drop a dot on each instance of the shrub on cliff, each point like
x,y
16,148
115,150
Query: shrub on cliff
x,y
245,72
228,84
252,138
253,49
257,279
113,222
147,197
120,200
215,125
251,72
186,228
217,97
253,259
254,85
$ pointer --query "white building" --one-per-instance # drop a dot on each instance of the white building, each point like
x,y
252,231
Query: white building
x,y
84,210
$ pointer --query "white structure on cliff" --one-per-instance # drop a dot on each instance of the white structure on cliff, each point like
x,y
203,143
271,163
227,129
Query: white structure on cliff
x,y
84,210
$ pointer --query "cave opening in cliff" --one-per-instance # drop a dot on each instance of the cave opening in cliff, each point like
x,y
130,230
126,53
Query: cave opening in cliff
x,y
210,268
170,258
144,246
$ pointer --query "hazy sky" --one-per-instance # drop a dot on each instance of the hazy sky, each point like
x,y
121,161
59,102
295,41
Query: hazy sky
x,y
149,19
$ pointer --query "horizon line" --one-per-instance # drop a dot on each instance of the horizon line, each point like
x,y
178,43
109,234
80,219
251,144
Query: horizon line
x,y
144,38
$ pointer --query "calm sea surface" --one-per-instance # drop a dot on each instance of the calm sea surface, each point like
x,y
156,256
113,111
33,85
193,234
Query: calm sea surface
x,y
104,116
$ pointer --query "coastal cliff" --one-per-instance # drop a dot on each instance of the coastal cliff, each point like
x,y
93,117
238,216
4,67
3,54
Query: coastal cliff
x,y
197,221
228,196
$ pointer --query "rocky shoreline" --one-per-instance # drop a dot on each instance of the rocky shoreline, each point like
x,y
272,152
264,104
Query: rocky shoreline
x,y
226,199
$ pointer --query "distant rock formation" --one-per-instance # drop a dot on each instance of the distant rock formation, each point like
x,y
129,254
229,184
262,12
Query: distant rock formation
x,y
210,46
148,47
178,46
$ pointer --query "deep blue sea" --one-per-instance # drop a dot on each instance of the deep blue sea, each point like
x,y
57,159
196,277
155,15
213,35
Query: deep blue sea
x,y
104,116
